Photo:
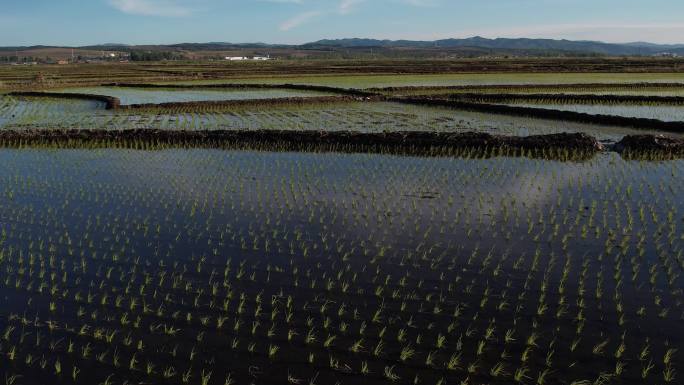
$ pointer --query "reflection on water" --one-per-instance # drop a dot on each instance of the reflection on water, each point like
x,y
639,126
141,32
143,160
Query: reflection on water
x,y
488,239
659,112
362,117
169,95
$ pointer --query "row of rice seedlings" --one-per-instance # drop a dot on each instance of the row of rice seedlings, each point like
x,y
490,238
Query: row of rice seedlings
x,y
315,268
155,143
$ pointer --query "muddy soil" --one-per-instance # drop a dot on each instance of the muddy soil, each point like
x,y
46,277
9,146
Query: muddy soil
x,y
297,87
570,99
650,144
525,87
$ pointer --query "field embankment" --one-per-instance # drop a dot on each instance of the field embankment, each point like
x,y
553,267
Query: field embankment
x,y
644,145
569,98
248,86
408,142
291,101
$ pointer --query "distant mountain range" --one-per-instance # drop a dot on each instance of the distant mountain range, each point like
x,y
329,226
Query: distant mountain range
x,y
522,44
474,46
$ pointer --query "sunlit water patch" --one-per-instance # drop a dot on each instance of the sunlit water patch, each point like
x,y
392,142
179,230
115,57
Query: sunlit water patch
x,y
27,111
130,95
660,112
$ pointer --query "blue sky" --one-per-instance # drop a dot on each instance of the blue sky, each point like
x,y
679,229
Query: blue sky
x,y
82,22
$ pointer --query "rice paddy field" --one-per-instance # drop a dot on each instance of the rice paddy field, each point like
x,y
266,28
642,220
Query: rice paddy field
x,y
22,113
665,113
149,263
157,96
458,79
636,89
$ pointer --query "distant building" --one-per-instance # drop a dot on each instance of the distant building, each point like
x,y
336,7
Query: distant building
x,y
666,54
62,62
241,58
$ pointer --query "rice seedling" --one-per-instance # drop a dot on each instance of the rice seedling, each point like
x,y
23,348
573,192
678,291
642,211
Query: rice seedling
x,y
390,374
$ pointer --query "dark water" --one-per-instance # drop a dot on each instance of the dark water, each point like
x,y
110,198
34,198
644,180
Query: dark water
x,y
144,266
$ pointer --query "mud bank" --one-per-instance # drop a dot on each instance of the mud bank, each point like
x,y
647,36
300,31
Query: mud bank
x,y
407,142
647,145
291,101
563,146
247,86
569,98
524,87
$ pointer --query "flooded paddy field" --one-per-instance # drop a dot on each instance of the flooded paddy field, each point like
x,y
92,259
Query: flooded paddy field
x,y
659,112
176,259
632,89
460,79
48,113
130,95
338,268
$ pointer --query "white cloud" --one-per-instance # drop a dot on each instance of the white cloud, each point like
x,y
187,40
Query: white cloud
x,y
421,3
298,20
166,8
283,1
346,6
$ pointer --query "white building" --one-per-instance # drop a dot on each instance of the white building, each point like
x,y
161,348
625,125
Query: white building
x,y
240,58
